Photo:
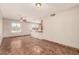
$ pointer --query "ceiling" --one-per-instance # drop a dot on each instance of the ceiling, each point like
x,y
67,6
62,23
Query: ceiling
x,y
30,11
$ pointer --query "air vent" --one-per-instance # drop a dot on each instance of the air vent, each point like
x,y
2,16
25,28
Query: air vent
x,y
52,14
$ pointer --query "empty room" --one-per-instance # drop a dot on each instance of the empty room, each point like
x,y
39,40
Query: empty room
x,y
39,28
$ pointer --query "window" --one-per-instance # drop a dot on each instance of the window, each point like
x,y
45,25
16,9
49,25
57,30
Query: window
x,y
16,27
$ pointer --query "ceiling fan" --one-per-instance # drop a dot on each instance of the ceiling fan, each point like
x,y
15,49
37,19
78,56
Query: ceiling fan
x,y
23,19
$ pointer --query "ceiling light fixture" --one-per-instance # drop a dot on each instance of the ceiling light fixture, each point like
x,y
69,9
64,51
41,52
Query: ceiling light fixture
x,y
22,19
38,4
53,14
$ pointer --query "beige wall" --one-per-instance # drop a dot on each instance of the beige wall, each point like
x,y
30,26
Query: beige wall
x,y
25,27
0,28
62,28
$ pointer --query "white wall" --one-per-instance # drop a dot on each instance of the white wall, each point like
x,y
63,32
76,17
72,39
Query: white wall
x,y
0,28
25,30
63,28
